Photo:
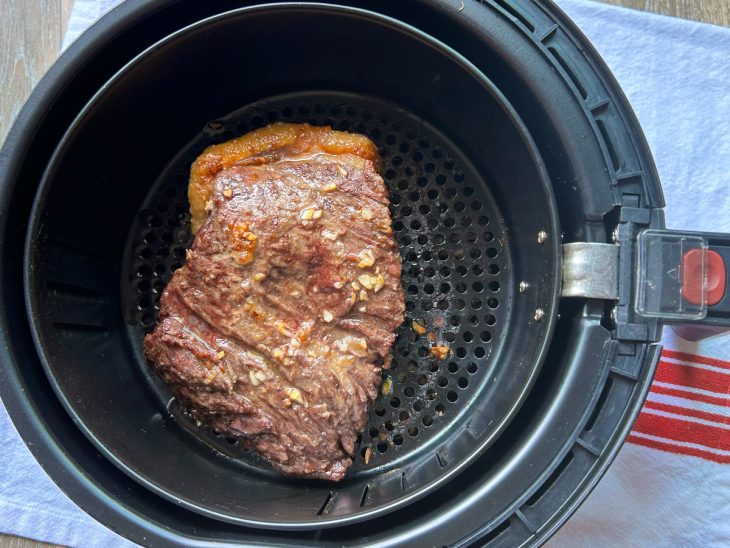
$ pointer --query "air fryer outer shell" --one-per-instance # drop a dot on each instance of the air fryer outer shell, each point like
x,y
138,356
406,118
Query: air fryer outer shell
x,y
596,375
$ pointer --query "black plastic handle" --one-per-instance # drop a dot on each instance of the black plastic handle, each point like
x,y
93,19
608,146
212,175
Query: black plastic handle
x,y
684,278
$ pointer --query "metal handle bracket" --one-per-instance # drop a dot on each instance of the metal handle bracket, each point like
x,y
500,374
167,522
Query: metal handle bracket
x,y
590,270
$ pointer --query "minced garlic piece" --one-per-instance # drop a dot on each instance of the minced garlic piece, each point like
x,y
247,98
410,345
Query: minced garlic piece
x,y
327,316
254,380
385,227
387,386
368,454
259,276
278,353
295,395
418,328
339,284
355,286
243,241
379,283
281,327
363,295
358,347
342,171
367,258
329,187
227,192
440,352
329,235
366,214
211,375
220,355
366,281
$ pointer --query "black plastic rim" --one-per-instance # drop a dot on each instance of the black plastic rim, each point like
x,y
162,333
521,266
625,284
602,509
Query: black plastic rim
x,y
549,292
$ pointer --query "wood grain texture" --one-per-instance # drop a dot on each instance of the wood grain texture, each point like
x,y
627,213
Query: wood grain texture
x,y
716,12
31,32
9,541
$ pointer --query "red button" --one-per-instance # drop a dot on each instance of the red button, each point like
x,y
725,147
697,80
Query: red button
x,y
715,277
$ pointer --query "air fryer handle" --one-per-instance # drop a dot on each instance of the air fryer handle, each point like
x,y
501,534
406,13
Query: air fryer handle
x,y
684,278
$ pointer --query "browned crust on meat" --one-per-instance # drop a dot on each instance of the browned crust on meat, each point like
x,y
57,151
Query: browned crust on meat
x,y
265,145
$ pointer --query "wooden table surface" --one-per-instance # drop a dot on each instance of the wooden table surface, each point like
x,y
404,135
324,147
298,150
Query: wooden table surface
x,y
31,33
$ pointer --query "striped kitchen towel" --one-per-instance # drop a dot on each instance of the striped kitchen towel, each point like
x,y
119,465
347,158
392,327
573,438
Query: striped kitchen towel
x,y
670,484
688,409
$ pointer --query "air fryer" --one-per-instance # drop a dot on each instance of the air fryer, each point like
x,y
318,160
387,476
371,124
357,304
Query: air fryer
x,y
528,215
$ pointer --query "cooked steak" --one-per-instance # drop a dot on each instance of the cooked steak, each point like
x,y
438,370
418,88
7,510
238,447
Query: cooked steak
x,y
276,329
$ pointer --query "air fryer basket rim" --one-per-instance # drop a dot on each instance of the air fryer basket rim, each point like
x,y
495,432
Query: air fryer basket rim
x,y
65,466
553,292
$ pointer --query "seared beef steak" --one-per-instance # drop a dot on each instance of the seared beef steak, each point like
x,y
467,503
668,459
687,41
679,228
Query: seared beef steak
x,y
277,327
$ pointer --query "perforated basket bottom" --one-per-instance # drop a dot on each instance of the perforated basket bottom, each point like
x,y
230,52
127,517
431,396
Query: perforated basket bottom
x,y
455,268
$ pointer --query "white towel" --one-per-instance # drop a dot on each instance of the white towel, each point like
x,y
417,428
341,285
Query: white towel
x,y
670,484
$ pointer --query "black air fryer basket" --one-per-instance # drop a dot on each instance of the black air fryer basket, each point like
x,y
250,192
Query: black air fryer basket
x,y
528,216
